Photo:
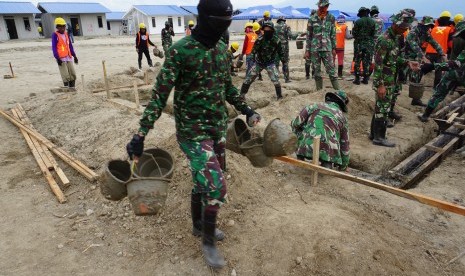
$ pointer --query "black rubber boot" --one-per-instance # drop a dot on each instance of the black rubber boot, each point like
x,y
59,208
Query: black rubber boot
x,y
319,83
72,84
394,115
150,63
425,116
245,88
140,64
210,252
371,136
66,84
279,94
366,78
196,214
307,71
379,138
260,77
417,102
327,165
339,71
356,80
335,84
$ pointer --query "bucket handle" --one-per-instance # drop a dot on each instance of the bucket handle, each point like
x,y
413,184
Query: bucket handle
x,y
252,146
134,166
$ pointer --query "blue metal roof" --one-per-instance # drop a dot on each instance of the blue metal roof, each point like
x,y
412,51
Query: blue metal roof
x,y
115,16
161,10
17,8
191,9
75,8
257,13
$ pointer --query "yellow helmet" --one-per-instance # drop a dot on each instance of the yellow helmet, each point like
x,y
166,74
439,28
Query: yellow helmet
x,y
191,23
266,14
141,26
248,24
445,14
235,45
255,26
457,18
60,21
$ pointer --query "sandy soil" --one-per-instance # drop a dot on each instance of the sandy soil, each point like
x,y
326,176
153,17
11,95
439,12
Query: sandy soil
x,y
276,223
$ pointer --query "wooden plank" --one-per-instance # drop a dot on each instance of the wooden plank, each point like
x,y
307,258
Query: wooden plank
x,y
447,206
117,87
452,117
435,149
107,85
316,158
136,94
459,126
48,176
76,164
11,69
440,114
450,114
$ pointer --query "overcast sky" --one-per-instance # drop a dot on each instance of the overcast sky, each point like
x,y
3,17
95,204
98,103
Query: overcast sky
x,y
423,7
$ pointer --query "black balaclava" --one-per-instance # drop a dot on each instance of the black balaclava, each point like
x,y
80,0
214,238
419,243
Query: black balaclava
x,y
214,20
268,34
444,21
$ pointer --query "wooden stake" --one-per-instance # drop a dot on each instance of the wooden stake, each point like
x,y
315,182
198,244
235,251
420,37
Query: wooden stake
x,y
11,69
316,158
83,83
107,86
136,95
48,176
447,206
146,77
452,117
114,88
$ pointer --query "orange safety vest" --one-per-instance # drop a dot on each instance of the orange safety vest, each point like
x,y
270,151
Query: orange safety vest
x,y
406,33
63,46
251,38
441,35
138,38
340,36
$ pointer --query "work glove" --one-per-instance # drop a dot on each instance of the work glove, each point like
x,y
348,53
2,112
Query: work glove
x,y
136,146
252,117
452,64
59,62
76,60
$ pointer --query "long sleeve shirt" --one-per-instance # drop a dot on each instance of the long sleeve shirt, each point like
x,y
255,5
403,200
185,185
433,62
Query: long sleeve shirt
x,y
54,47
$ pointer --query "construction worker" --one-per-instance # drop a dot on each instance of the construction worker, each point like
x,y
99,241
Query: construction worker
x,y
442,33
64,54
328,121
142,45
249,41
197,68
283,31
264,54
266,18
452,78
388,61
234,47
308,60
190,26
379,23
458,43
364,32
416,37
167,34
458,18
321,43
341,29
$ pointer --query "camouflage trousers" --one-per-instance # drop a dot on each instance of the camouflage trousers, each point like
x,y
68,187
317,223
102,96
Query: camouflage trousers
x,y
257,68
206,161
449,82
382,106
317,58
286,63
362,53
166,47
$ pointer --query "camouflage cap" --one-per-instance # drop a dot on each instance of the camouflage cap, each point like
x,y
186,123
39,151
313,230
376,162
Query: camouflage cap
x,y
268,24
339,97
459,28
312,12
323,3
402,19
281,18
362,9
374,9
427,20
411,11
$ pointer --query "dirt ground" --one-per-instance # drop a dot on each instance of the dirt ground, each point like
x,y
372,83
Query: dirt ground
x,y
276,222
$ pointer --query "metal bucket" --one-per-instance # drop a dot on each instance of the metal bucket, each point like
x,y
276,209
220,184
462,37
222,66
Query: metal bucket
x,y
237,133
155,162
117,175
158,53
253,149
239,63
299,44
147,195
415,90
278,139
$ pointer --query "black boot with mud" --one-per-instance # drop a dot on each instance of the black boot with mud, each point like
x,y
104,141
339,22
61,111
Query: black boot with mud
x,y
210,252
356,80
425,116
379,133
417,102
279,94
196,213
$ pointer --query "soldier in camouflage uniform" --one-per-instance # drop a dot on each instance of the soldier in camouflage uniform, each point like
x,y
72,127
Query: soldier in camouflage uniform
x,y
283,31
364,40
455,76
388,62
308,60
321,43
197,67
266,50
166,36
328,121
379,23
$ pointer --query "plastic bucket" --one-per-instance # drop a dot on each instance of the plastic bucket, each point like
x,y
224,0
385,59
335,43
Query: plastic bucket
x,y
147,195
278,139
155,162
299,44
117,175
415,90
237,133
253,149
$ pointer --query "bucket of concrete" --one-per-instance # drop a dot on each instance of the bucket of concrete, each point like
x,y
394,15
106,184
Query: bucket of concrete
x,y
415,90
237,133
253,150
147,195
155,162
299,43
117,175
278,139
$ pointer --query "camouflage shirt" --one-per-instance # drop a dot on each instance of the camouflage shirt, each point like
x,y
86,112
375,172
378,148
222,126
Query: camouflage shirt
x,y
329,122
387,59
266,52
415,38
283,31
167,37
202,85
321,33
379,25
364,30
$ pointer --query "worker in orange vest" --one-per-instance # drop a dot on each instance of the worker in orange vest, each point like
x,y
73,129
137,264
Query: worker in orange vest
x,y
64,54
189,28
251,36
142,45
341,29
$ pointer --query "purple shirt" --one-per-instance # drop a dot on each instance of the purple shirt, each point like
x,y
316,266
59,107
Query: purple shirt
x,y
54,47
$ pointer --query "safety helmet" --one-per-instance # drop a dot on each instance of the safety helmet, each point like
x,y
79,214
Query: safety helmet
x,y
341,19
458,17
339,97
191,23
235,45
141,26
445,14
248,25
255,26
266,14
60,21
281,18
